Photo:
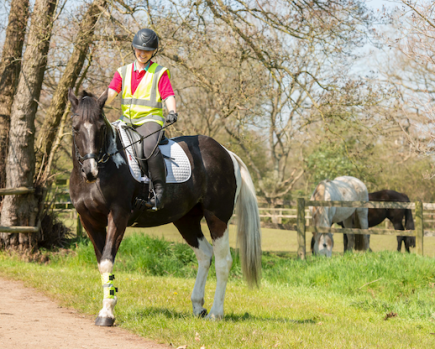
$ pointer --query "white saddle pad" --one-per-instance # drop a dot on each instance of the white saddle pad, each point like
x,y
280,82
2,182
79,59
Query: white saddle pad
x,y
178,167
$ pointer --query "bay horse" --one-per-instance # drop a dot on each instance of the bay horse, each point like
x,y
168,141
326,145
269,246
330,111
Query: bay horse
x,y
103,190
345,188
395,215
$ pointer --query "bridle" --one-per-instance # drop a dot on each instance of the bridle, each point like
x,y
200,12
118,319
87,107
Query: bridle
x,y
102,157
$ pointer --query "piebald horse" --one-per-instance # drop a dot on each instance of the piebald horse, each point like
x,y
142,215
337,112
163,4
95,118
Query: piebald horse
x,y
345,188
103,191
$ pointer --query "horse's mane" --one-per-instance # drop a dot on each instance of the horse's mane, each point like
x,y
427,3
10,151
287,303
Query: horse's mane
x,y
319,192
88,108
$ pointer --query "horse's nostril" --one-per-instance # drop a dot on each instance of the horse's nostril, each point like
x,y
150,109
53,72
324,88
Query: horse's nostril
x,y
83,170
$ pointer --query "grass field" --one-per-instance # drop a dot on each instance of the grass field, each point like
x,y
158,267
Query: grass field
x,y
275,240
339,302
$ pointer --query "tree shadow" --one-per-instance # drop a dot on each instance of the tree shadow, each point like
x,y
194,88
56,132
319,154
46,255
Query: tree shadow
x,y
173,314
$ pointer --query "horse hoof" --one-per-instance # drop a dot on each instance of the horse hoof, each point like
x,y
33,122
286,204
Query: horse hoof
x,y
104,321
203,313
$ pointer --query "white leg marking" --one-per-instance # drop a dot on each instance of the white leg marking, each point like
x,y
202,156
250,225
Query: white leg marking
x,y
203,253
223,262
108,307
105,266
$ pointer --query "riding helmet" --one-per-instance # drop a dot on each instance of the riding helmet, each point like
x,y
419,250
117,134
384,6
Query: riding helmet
x,y
146,39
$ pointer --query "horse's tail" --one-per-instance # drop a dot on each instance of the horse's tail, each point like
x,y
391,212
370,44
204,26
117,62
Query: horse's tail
x,y
409,225
248,226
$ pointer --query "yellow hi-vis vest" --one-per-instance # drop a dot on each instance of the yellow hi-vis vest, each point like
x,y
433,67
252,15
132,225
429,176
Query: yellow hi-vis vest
x,y
145,104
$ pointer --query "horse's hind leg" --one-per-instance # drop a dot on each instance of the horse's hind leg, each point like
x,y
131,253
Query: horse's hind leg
x,y
362,216
189,227
397,224
223,261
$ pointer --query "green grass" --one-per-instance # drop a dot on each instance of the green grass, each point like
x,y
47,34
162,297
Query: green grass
x,y
339,302
275,240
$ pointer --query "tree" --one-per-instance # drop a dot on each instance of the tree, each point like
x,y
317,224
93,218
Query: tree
x,y
10,66
22,209
411,70
56,110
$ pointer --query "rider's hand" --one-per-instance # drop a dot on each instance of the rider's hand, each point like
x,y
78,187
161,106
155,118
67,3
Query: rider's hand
x,y
172,117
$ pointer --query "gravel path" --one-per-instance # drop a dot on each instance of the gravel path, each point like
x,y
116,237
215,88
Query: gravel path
x,y
28,319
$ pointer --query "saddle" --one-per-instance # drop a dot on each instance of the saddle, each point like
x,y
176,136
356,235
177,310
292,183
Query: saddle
x,y
137,148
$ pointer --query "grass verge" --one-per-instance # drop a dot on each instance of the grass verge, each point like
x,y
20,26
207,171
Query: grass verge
x,y
339,302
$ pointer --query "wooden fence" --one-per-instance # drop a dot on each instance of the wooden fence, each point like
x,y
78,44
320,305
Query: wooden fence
x,y
419,232
26,230
58,206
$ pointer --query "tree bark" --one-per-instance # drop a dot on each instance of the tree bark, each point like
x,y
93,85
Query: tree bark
x,y
74,66
20,168
10,66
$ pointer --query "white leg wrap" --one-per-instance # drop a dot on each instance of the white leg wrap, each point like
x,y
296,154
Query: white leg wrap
x,y
203,253
223,262
106,267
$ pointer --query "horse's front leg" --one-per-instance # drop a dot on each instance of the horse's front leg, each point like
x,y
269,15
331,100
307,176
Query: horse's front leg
x,y
117,223
349,243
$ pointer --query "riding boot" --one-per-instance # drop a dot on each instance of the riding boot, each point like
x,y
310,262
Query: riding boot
x,y
156,167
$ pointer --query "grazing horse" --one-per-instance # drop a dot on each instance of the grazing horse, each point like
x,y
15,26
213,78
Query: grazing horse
x,y
103,190
395,215
343,188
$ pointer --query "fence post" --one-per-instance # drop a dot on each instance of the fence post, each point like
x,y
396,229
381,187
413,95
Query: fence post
x,y
419,227
79,227
301,228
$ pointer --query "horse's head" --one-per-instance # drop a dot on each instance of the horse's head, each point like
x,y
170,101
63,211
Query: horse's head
x,y
89,128
323,244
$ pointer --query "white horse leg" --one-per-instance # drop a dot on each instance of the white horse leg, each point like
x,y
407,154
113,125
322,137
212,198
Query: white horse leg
x,y
362,214
204,254
223,262
350,237
106,316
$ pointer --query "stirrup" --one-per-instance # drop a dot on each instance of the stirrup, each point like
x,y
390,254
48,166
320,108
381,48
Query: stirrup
x,y
153,206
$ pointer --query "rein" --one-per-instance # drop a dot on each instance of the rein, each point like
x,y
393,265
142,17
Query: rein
x,y
103,156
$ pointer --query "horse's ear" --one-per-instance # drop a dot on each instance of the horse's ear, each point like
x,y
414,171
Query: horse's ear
x,y
103,98
73,99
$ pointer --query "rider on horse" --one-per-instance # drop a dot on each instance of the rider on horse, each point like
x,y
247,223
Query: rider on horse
x,y
144,85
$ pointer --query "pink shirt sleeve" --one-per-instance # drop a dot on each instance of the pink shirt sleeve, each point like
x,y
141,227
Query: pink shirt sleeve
x,y
116,83
165,87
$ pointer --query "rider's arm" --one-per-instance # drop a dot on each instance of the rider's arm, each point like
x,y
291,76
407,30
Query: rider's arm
x,y
114,88
111,96
170,103
167,93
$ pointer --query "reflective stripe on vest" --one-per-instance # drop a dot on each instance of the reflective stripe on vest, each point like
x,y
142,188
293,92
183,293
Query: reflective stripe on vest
x,y
146,103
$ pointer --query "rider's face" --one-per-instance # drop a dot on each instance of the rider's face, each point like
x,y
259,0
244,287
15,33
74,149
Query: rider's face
x,y
142,55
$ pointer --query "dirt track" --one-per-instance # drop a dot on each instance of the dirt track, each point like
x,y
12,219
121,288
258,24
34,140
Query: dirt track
x,y
28,319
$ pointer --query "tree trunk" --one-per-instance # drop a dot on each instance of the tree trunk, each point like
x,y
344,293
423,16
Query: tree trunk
x,y
20,168
10,66
74,66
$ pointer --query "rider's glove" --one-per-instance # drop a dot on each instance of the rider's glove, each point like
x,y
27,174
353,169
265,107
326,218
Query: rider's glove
x,y
172,117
